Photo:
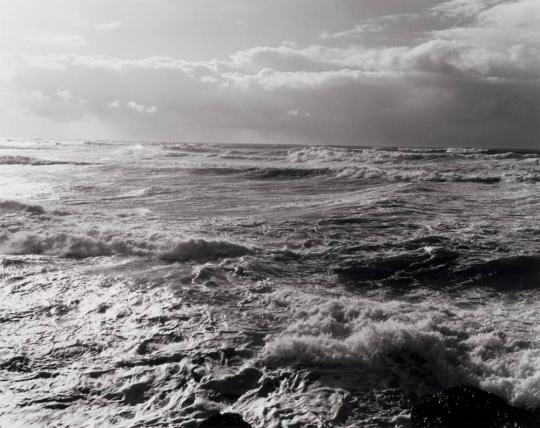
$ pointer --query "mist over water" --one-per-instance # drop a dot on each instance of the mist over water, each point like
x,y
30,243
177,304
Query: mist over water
x,y
154,284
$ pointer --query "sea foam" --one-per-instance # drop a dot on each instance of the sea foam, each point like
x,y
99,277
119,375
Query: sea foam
x,y
95,244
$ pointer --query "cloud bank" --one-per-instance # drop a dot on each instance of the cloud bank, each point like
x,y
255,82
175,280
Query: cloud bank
x,y
468,75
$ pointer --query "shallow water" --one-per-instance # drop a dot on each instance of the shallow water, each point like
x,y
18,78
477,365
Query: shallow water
x,y
156,284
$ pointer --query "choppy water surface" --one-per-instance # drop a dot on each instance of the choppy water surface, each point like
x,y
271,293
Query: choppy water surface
x,y
155,284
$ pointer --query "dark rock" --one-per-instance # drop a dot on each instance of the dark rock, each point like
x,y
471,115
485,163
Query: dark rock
x,y
468,407
225,420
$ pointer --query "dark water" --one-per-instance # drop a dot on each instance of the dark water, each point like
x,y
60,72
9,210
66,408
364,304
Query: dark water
x,y
155,284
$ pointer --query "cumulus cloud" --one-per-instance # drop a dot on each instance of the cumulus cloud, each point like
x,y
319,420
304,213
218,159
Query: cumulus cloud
x,y
114,104
141,108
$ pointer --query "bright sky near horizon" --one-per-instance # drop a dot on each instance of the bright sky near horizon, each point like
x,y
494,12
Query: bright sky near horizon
x,y
393,72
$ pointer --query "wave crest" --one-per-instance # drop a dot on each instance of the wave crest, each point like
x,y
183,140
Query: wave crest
x,y
345,334
95,244
25,160
10,205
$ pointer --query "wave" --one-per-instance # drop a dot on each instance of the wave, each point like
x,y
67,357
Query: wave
x,y
398,154
512,272
10,205
398,175
76,246
404,175
368,339
284,173
265,173
416,347
146,192
424,264
96,244
439,267
202,250
25,160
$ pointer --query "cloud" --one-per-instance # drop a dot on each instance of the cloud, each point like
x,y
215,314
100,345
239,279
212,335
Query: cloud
x,y
366,27
475,82
65,95
114,104
141,108
56,40
108,26
39,96
463,8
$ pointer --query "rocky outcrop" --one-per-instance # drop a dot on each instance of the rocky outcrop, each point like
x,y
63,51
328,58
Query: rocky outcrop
x,y
225,420
468,407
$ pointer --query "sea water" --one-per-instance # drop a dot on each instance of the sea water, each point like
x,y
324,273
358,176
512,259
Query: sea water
x,y
155,284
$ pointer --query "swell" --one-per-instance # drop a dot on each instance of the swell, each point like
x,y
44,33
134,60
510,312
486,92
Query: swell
x,y
371,173
265,173
399,154
439,267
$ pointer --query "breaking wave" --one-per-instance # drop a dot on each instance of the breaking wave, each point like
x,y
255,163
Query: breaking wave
x,y
371,172
25,160
10,205
327,154
76,246
414,347
95,244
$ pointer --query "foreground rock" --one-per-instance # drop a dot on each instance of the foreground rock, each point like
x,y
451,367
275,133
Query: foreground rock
x,y
225,420
469,407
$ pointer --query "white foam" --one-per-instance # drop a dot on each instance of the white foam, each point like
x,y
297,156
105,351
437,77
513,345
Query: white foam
x,y
424,347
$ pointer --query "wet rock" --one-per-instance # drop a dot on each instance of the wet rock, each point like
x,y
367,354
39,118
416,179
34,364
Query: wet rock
x,y
468,407
225,420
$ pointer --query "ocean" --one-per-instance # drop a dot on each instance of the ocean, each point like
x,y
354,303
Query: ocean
x,y
155,284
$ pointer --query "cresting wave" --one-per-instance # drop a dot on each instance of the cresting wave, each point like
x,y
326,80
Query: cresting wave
x,y
10,205
416,347
370,172
25,160
96,244
328,154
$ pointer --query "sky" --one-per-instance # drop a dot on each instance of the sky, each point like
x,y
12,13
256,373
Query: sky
x,y
357,72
